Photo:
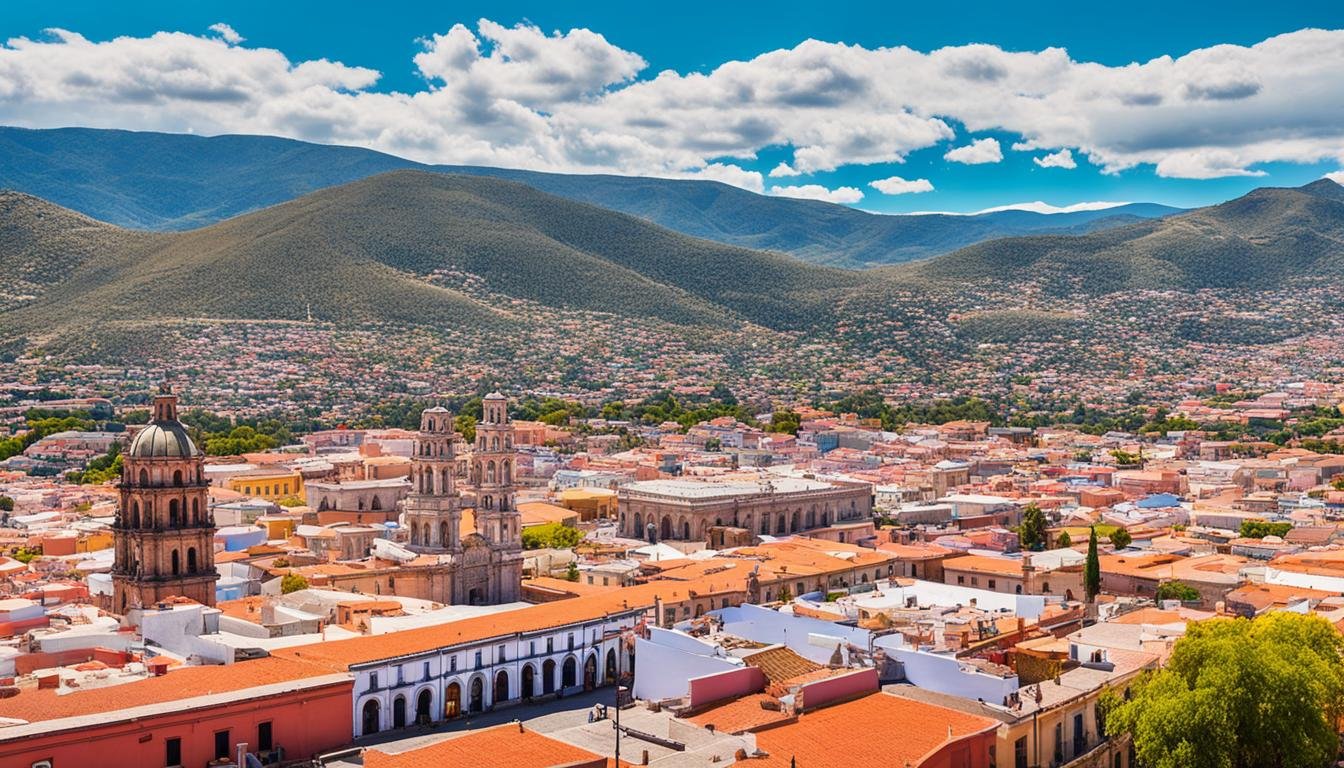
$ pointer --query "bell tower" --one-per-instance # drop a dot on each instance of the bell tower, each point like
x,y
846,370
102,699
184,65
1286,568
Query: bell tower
x,y
434,507
164,531
497,518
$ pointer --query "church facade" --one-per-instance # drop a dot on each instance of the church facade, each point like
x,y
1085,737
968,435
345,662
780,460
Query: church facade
x,y
480,561
164,531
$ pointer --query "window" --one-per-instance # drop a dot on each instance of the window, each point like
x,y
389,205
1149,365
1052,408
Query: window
x,y
478,659
961,579
221,744
531,647
264,743
1020,753
975,581
991,584
452,663
571,641
172,752
501,654
550,644
373,681
425,672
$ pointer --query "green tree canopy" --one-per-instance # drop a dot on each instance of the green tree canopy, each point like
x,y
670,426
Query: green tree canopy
x,y
1092,567
292,582
1241,693
1032,531
1176,590
551,536
1063,540
1259,529
1120,538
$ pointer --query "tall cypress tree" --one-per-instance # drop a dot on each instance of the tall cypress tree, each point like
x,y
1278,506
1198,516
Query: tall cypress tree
x,y
1092,569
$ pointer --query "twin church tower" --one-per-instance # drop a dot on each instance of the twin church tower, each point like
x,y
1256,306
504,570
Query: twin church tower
x,y
164,530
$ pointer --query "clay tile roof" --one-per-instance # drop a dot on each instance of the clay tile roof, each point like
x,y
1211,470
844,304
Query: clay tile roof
x,y
504,746
780,664
841,735
740,715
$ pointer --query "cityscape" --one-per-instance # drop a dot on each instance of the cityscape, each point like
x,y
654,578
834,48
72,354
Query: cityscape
x,y
595,387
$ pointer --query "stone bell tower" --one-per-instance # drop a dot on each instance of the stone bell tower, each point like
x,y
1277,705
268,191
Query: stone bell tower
x,y
434,507
164,531
497,518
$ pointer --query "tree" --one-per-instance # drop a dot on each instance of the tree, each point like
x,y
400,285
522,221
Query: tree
x,y
27,554
572,571
1259,529
466,426
785,421
1338,483
1120,538
1240,693
292,582
551,536
1064,540
6,504
1092,568
291,501
1175,590
1032,531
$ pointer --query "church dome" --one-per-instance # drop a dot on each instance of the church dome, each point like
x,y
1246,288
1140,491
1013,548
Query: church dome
x,y
162,439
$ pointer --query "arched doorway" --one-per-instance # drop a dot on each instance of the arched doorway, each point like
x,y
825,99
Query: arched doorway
x,y
685,530
590,672
399,712
795,522
611,666
372,715
639,524
423,704
452,701
529,680
569,674
665,532
501,688
548,676
477,702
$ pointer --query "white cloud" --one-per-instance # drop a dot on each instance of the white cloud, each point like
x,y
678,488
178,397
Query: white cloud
x,y
574,101
843,195
1039,206
977,152
226,33
727,173
1061,159
1335,176
895,185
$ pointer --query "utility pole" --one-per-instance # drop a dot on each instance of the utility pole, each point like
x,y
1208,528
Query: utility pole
x,y
619,689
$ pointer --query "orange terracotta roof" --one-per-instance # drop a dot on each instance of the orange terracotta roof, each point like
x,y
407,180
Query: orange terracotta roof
x,y
745,714
984,564
504,746
835,736
37,705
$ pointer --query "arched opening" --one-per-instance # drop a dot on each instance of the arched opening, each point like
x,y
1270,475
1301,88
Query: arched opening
x,y
825,519
376,504
501,687
424,535
812,517
191,559
494,443
611,666
423,707
174,516
765,524
177,478
477,702
452,701
399,712
195,511
639,525
685,530
443,535
590,672
529,681
665,531
548,676
779,523
372,715
505,473
177,563
490,472
135,514
144,477
569,673
796,522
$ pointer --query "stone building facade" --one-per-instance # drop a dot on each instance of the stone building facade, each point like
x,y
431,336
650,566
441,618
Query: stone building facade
x,y
164,531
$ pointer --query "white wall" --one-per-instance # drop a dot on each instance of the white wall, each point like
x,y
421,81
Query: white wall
x,y
663,672
946,674
682,642
798,633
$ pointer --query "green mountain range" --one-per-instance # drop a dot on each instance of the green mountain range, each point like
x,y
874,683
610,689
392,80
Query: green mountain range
x,y
173,182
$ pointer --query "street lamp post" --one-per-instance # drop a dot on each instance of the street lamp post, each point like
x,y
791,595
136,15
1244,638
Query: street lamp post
x,y
619,690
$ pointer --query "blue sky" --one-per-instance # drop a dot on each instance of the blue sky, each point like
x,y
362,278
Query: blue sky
x,y
690,38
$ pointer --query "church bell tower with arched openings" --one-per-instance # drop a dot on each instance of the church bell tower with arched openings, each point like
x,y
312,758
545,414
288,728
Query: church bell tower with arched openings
x,y
434,507
493,461
164,531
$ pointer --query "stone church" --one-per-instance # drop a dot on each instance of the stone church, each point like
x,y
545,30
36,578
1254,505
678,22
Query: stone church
x,y
164,530
480,563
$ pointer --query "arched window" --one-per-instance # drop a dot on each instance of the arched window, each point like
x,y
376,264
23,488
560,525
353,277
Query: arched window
x,y
177,563
144,476
135,514
177,477
443,535
196,511
174,517
504,466
191,560
494,443
377,504
490,472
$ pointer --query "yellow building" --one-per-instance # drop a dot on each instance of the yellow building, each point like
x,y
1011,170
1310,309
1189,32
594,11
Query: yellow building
x,y
272,485
590,503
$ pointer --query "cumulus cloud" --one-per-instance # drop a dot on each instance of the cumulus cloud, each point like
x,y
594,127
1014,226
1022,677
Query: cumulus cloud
x,y
895,185
845,195
1061,159
226,33
1336,176
574,101
1038,206
977,152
